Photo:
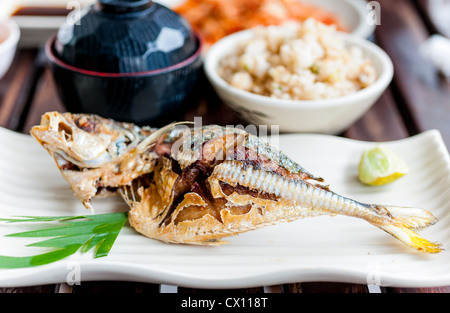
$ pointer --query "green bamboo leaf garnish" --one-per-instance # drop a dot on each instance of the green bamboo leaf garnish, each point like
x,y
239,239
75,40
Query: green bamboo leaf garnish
x,y
78,233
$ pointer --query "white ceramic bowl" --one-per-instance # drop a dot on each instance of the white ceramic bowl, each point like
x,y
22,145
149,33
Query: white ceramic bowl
x,y
9,36
330,116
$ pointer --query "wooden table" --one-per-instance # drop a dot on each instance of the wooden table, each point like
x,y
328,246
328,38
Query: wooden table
x,y
418,99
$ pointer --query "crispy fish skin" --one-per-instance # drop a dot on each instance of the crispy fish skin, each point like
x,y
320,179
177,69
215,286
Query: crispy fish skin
x,y
203,185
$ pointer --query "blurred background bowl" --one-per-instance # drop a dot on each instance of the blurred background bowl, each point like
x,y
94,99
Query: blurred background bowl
x,y
350,14
330,116
9,37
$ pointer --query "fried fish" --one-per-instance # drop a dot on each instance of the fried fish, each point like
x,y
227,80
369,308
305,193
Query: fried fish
x,y
200,185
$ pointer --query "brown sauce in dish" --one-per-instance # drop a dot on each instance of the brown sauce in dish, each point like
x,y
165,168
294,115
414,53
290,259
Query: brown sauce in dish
x,y
41,11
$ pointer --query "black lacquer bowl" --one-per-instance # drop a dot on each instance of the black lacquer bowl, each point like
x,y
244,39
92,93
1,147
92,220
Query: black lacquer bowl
x,y
125,63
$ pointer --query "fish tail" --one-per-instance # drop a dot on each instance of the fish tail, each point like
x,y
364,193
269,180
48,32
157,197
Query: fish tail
x,y
413,218
403,223
410,238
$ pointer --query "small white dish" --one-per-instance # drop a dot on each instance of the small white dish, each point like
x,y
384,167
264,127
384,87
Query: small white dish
x,y
9,37
330,116
332,249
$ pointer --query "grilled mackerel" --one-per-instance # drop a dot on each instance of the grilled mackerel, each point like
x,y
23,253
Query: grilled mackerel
x,y
197,186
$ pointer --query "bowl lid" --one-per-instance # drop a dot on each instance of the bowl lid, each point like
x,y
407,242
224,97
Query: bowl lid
x,y
125,36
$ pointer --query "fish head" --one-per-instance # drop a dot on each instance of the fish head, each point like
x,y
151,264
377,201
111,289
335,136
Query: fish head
x,y
84,140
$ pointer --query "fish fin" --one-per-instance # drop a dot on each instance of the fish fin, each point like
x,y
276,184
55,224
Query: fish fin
x,y
413,218
410,238
152,138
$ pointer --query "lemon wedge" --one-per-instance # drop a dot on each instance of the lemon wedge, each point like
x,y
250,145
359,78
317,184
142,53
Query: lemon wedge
x,y
381,166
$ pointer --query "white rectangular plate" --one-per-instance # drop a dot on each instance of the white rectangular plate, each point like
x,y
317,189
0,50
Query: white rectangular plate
x,y
333,249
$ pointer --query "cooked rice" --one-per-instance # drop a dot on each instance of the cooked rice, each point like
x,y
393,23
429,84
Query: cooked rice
x,y
298,61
